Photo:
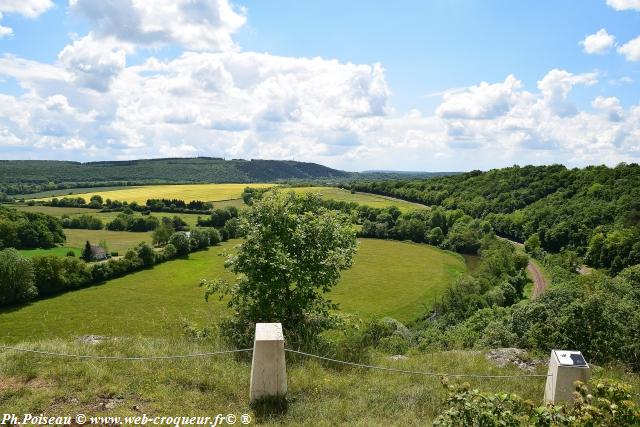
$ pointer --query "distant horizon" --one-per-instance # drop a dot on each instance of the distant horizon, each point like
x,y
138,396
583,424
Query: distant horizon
x,y
463,85
399,171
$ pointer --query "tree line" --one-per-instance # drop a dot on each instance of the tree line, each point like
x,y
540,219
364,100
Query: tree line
x,y
594,211
28,230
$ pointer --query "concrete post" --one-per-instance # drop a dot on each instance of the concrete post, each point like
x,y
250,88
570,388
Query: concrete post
x,y
565,368
268,367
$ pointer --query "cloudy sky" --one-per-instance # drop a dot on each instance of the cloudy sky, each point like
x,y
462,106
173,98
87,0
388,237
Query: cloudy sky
x,y
406,85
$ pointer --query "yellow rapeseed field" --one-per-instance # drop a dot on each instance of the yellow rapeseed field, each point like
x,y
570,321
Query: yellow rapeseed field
x,y
186,192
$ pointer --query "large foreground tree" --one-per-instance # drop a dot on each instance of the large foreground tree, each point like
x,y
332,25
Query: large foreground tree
x,y
293,254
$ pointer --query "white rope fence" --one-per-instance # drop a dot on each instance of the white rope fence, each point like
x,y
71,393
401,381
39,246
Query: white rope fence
x,y
404,371
244,350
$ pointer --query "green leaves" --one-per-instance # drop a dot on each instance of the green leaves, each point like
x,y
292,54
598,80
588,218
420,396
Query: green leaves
x,y
294,252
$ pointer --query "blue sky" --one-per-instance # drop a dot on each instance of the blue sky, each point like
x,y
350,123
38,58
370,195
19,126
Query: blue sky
x,y
407,85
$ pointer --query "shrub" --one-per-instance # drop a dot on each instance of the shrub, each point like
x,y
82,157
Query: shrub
x,y
70,253
170,251
605,403
146,254
199,239
16,278
181,243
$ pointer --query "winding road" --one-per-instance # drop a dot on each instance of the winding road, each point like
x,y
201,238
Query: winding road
x,y
535,273
539,282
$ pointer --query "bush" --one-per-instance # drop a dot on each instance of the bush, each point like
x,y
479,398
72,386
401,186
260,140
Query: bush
x,y
199,239
170,251
70,253
88,222
146,254
16,278
181,243
604,403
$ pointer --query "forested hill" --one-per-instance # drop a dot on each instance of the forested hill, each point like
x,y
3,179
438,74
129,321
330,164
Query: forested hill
x,y
201,169
594,211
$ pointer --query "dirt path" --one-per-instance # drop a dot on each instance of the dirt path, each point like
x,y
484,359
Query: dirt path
x,y
539,282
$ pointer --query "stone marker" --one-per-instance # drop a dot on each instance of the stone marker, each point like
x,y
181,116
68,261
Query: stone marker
x,y
565,368
268,367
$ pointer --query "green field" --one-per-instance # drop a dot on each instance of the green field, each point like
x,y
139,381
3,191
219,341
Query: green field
x,y
373,200
154,302
186,192
65,192
396,279
59,251
106,217
118,241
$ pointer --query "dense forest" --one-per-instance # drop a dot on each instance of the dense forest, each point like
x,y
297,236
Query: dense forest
x,y
593,211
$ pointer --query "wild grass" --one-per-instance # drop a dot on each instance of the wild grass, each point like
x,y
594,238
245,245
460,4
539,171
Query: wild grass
x,y
320,394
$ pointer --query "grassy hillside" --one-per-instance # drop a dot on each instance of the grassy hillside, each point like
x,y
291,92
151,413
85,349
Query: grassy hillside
x,y
373,200
388,279
319,395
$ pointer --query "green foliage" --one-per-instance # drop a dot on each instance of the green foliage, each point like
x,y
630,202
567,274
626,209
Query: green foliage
x,y
605,403
87,253
594,210
163,232
26,230
170,251
199,239
88,222
180,242
16,278
146,254
293,254
128,222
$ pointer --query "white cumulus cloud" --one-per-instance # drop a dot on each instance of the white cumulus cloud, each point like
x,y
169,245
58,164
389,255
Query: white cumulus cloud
x,y
598,43
557,84
631,50
484,101
28,8
194,24
624,4
93,64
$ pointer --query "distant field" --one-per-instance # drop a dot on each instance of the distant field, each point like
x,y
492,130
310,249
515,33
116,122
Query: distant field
x,y
53,211
187,192
118,241
61,251
388,279
190,219
68,192
372,200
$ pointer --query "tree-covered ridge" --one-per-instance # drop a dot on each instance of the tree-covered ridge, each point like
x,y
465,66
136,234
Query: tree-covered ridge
x,y
594,211
25,176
